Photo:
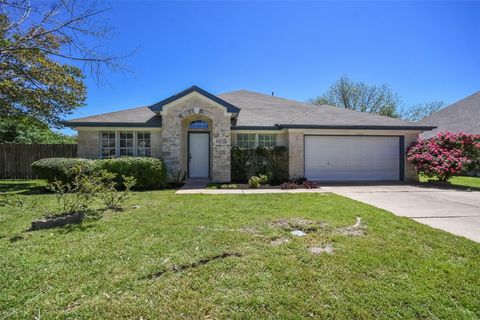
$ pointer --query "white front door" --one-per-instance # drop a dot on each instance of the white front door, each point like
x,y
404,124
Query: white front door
x,y
198,154
350,158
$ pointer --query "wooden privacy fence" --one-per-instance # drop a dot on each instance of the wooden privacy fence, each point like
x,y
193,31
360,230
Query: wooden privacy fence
x,y
15,159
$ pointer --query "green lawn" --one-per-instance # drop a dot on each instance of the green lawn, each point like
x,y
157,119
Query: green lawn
x,y
103,268
471,182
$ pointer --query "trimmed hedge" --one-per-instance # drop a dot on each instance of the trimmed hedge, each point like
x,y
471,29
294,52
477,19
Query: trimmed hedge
x,y
62,169
271,161
150,173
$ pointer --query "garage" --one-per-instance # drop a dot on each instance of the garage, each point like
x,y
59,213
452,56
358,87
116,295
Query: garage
x,y
353,158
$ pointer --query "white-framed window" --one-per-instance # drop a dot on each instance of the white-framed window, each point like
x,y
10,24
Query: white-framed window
x,y
246,140
126,143
267,140
143,144
253,140
108,144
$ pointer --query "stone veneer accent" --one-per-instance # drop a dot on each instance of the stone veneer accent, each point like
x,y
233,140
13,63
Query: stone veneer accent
x,y
175,119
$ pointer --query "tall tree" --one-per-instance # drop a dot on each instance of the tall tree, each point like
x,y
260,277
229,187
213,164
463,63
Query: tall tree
x,y
422,110
44,55
359,96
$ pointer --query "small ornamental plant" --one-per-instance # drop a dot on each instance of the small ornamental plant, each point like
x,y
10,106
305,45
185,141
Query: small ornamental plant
x,y
108,190
445,155
254,182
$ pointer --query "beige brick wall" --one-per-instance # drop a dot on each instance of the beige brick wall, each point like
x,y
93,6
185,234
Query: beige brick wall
x,y
296,166
88,144
282,139
156,143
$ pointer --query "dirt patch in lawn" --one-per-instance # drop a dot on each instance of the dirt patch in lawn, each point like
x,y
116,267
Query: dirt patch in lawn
x,y
304,225
298,227
358,229
279,241
319,250
201,262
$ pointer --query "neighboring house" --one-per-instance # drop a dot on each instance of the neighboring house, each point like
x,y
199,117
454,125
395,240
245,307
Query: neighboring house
x,y
462,116
193,131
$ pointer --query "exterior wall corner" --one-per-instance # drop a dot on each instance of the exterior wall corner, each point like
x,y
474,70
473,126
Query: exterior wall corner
x,y
296,167
88,144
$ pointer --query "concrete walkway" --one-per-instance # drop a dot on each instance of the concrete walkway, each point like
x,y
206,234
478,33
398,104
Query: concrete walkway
x,y
455,211
197,184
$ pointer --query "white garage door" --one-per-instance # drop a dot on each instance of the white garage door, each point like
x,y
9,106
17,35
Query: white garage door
x,y
350,158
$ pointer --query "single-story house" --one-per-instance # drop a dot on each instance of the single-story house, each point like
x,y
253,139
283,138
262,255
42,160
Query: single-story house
x,y
194,131
462,116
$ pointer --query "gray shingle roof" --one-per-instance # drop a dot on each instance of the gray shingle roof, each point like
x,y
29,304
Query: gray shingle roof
x,y
265,110
262,111
462,116
141,116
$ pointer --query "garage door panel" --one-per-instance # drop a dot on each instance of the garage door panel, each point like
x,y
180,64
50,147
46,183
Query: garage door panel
x,y
350,158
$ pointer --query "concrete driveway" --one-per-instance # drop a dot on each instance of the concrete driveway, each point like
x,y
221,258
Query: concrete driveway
x,y
455,211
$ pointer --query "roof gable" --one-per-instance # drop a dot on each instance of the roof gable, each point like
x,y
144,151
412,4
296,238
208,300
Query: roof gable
x,y
158,107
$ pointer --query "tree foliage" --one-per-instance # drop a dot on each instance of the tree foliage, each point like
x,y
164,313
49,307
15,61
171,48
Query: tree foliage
x,y
28,130
43,55
445,155
359,96
419,111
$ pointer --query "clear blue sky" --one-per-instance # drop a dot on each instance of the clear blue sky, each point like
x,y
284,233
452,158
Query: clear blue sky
x,y
425,51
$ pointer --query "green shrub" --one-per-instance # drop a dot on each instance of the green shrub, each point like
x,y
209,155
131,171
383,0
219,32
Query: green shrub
x,y
263,179
271,160
62,169
108,191
76,195
254,182
229,186
149,173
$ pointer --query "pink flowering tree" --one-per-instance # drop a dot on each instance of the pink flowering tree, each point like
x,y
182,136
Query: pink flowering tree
x,y
445,155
